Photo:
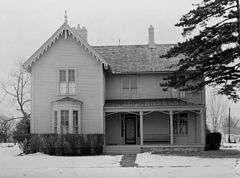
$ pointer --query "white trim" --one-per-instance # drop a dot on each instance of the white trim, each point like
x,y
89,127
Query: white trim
x,y
171,126
141,127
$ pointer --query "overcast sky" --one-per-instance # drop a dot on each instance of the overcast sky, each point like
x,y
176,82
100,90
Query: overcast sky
x,y
26,24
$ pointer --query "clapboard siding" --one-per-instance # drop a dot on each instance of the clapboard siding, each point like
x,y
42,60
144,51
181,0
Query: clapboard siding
x,y
66,53
148,86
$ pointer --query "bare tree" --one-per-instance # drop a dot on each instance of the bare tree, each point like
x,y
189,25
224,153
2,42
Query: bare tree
x,y
217,108
5,129
17,89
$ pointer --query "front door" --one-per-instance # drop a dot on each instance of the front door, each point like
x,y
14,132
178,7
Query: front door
x,y
130,123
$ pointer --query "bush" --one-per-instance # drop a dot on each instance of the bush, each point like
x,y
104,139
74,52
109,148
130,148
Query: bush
x,y
69,144
213,141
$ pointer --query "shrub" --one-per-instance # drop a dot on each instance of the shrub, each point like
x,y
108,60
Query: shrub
x,y
69,144
213,141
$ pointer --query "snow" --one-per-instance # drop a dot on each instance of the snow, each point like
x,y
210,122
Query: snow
x,y
216,167
39,165
231,145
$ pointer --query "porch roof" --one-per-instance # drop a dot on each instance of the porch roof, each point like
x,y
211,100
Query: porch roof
x,y
148,102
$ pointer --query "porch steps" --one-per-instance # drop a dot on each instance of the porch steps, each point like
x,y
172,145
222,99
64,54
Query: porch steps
x,y
121,149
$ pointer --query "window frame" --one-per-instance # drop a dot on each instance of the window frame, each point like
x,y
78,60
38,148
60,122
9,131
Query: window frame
x,y
130,83
64,120
70,85
75,124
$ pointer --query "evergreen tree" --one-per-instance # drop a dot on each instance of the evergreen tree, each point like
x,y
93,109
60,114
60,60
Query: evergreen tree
x,y
212,48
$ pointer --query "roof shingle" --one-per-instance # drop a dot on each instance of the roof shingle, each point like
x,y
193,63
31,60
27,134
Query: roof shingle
x,y
138,58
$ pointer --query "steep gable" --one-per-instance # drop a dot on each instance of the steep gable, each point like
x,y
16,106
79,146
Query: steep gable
x,y
68,32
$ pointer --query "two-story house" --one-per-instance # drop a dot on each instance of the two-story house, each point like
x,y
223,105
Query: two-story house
x,y
114,91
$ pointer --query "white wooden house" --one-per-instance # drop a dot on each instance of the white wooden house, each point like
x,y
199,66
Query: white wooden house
x,y
112,90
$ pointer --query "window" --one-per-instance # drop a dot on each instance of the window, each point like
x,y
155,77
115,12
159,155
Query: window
x,y
182,94
129,83
64,121
180,124
55,122
67,83
75,122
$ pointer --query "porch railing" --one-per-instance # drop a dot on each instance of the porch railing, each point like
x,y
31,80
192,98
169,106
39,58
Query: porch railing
x,y
156,138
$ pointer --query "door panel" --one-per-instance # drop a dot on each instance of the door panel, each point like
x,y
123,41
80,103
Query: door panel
x,y
130,137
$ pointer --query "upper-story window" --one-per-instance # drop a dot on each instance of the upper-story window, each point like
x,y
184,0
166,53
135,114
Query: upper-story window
x,y
182,94
178,93
129,83
67,83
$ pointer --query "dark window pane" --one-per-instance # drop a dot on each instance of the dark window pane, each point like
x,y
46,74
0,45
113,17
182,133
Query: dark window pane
x,y
75,118
62,76
71,75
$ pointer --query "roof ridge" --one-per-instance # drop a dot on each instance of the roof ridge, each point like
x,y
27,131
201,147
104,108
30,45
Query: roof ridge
x,y
132,45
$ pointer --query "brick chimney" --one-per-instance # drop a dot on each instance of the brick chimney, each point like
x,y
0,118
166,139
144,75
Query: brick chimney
x,y
83,32
151,41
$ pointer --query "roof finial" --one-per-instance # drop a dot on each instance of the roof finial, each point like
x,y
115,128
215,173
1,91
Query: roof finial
x,y
65,17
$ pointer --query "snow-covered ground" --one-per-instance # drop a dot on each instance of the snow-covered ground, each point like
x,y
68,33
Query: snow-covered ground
x,y
149,165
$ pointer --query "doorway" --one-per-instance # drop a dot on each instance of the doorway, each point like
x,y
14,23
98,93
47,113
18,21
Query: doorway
x,y
130,129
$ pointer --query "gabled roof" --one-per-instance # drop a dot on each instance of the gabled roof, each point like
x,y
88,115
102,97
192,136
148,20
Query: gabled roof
x,y
138,58
67,31
120,59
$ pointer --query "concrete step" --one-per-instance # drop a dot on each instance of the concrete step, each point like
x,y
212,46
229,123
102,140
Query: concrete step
x,y
121,149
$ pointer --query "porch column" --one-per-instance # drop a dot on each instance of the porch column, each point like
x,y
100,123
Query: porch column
x,y
104,128
171,126
141,127
202,125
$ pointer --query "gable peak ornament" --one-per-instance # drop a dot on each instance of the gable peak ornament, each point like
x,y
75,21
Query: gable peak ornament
x,y
65,17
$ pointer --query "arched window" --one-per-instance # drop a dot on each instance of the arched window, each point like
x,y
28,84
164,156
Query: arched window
x,y
67,116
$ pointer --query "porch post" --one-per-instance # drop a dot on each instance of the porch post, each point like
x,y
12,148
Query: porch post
x,y
104,128
141,127
171,126
202,125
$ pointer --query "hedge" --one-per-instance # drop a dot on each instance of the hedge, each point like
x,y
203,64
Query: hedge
x,y
213,141
56,144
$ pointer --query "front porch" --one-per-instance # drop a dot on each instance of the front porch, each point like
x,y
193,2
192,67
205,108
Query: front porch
x,y
147,128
